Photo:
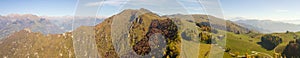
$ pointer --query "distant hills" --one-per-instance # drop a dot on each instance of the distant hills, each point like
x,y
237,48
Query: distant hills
x,y
46,25
268,26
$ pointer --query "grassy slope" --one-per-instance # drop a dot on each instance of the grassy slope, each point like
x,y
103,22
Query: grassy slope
x,y
233,41
243,44
286,38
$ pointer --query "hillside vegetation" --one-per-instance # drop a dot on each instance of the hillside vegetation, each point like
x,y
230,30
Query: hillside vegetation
x,y
143,34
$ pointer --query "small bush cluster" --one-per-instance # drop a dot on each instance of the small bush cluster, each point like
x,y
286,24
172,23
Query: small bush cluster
x,y
270,41
206,38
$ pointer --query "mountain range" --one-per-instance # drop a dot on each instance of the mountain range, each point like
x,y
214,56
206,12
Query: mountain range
x,y
46,25
142,33
268,26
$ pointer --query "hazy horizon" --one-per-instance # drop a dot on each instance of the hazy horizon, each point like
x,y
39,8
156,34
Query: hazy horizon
x,y
283,11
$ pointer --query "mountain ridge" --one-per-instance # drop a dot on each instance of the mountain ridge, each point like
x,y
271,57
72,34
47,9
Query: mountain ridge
x,y
46,25
270,25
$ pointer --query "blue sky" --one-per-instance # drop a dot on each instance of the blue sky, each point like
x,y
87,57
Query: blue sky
x,y
262,9
277,10
162,7
38,7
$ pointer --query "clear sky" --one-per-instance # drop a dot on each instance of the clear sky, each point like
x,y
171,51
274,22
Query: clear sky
x,y
38,7
278,10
